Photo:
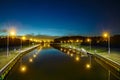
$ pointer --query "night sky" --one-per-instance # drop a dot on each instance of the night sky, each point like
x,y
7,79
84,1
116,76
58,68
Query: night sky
x,y
61,17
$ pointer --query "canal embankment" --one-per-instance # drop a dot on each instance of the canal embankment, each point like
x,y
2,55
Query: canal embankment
x,y
4,70
112,59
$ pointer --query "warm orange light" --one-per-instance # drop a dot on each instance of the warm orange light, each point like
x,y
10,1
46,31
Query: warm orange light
x,y
23,68
88,40
77,58
61,49
31,39
30,60
105,35
88,66
64,50
77,40
68,52
34,55
12,33
23,38
71,55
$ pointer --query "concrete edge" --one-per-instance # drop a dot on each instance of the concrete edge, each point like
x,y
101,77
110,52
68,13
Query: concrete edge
x,y
7,65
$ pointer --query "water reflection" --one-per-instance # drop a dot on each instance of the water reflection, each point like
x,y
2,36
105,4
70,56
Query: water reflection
x,y
30,57
77,58
111,74
88,65
30,60
23,68
71,54
59,64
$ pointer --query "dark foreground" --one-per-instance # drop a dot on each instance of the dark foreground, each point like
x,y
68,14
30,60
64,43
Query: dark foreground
x,y
52,64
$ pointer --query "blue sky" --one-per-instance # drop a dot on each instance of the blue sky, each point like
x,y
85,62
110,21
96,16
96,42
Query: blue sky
x,y
61,17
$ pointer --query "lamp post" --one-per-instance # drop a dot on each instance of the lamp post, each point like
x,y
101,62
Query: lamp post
x,y
106,35
10,33
30,40
23,38
89,40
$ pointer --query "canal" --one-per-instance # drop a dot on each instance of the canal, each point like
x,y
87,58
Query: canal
x,y
47,63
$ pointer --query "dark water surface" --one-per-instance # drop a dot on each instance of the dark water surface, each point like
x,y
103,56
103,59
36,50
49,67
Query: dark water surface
x,y
53,64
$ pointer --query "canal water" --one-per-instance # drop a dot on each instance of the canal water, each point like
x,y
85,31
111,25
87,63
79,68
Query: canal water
x,y
47,63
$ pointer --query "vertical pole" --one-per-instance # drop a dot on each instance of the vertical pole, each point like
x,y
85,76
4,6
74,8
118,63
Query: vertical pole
x,y
108,44
108,74
90,45
21,44
29,43
90,59
7,45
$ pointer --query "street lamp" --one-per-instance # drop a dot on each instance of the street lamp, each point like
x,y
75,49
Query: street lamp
x,y
10,33
107,35
23,38
89,40
30,40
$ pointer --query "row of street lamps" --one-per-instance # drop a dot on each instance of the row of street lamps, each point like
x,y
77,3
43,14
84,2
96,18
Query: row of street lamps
x,y
13,33
105,35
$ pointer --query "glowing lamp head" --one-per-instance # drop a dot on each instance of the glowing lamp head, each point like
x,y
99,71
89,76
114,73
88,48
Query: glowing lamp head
x,y
105,35
23,38
12,33
77,40
31,39
88,40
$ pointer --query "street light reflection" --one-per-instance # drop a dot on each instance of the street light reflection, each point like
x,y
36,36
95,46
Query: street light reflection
x,y
68,52
23,68
61,49
34,55
30,60
88,66
77,58
71,55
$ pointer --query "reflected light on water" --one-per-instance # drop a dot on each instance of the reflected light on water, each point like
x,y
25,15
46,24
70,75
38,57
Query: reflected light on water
x,y
88,66
77,58
61,49
71,55
64,50
30,60
68,52
34,55
73,50
23,68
